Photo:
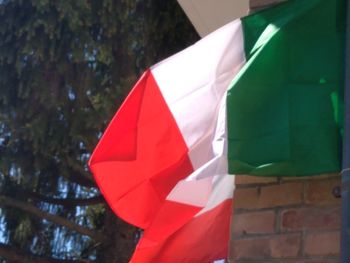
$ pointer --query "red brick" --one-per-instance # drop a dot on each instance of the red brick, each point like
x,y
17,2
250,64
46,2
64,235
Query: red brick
x,y
313,177
248,179
322,244
254,223
320,192
285,246
277,246
323,260
246,198
310,218
269,196
252,248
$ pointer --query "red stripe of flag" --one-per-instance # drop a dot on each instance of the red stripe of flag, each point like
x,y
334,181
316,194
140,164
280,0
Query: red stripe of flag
x,y
141,155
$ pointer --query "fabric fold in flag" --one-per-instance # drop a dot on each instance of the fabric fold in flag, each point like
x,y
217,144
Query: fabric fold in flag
x,y
204,237
198,230
158,164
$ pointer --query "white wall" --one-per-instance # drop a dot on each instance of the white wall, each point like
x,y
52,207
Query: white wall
x,y
208,15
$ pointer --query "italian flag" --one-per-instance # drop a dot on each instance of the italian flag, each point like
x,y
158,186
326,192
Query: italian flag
x,y
260,96
162,162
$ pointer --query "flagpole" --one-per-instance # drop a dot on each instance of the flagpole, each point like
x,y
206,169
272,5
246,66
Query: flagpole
x,y
345,174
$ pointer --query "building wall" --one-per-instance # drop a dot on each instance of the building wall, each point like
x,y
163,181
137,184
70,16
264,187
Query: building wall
x,y
208,15
285,220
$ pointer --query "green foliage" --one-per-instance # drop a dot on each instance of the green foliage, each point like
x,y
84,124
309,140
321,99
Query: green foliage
x,y
65,67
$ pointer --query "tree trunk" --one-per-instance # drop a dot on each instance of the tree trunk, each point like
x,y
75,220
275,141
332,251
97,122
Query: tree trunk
x,y
15,255
67,202
121,240
31,209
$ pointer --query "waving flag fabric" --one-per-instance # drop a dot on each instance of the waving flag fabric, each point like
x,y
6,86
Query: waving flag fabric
x,y
193,222
285,107
261,95
162,162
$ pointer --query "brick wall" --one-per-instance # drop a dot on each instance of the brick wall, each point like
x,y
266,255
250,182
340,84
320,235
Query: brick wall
x,y
294,220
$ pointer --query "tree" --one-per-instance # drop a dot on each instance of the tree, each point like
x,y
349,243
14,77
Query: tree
x,y
65,67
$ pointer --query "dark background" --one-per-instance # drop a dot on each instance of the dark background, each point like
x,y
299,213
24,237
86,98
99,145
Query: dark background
x,y
65,67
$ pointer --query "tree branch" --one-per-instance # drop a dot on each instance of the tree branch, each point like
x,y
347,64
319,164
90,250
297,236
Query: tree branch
x,y
82,179
13,254
80,175
33,210
68,202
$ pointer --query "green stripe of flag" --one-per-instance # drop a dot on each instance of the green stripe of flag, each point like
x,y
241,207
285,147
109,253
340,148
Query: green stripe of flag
x,y
284,107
